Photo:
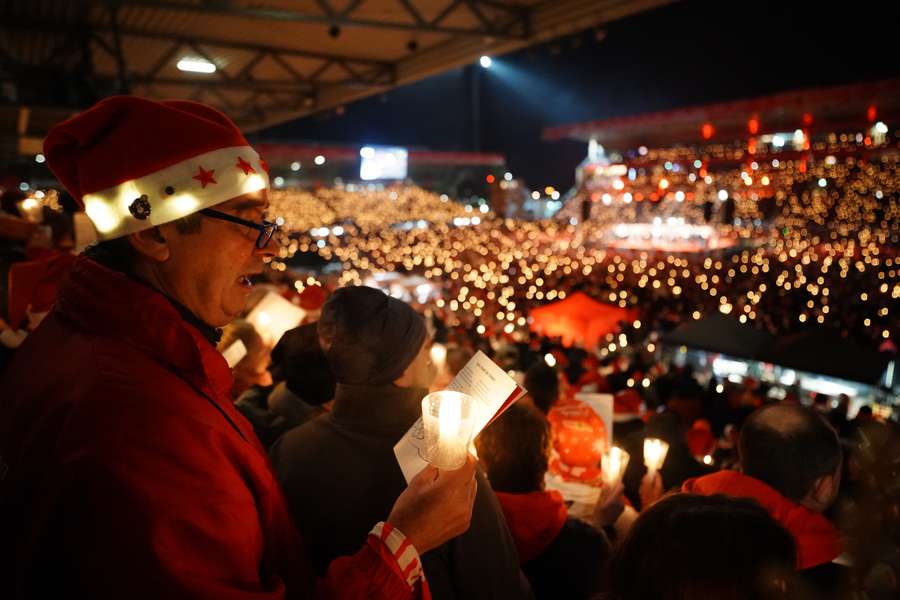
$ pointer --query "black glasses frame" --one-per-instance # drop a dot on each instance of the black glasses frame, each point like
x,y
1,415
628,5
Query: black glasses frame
x,y
266,229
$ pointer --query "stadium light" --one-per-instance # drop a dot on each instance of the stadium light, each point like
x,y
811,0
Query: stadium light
x,y
196,65
485,61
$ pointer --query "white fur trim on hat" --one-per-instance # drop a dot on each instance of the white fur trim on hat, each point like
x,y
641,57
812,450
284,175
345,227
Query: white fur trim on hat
x,y
176,191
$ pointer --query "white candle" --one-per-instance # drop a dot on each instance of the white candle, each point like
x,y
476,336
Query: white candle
x,y
655,451
613,465
439,355
447,419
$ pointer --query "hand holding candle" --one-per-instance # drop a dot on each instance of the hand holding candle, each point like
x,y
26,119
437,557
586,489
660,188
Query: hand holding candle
x,y
447,418
655,451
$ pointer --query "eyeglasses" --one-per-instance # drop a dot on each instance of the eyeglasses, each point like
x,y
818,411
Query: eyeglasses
x,y
266,229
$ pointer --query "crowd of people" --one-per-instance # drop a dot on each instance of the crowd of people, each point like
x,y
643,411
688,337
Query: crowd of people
x,y
134,459
823,256
816,486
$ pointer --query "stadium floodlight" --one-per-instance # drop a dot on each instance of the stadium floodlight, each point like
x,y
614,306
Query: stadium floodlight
x,y
196,65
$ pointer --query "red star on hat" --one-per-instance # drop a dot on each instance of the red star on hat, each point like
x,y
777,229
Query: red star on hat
x,y
204,177
244,166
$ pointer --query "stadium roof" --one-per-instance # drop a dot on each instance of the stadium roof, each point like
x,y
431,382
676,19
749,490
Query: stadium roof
x,y
276,59
839,108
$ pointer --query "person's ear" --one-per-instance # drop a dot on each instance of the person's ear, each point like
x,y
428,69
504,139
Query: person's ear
x,y
822,493
405,380
150,243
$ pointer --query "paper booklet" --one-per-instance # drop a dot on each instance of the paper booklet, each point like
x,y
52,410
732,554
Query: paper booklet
x,y
235,353
493,390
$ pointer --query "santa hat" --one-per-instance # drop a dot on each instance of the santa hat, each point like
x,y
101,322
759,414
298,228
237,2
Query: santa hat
x,y
33,284
561,359
134,163
700,439
313,297
627,405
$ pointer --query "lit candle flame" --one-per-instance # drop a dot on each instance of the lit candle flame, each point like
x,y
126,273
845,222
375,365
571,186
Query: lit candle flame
x,y
613,465
449,417
439,355
655,451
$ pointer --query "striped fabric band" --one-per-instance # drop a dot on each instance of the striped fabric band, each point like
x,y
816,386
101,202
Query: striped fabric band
x,y
401,549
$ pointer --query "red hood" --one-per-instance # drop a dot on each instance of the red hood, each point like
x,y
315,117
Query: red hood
x,y
818,541
534,519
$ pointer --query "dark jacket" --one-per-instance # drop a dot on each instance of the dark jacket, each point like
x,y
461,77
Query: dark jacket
x,y
274,410
563,557
339,472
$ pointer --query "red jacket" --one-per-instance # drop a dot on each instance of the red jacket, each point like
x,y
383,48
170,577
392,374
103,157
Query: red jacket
x,y
817,540
126,472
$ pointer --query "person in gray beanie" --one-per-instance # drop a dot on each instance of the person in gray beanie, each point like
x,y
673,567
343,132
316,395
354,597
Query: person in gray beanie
x,y
369,337
339,471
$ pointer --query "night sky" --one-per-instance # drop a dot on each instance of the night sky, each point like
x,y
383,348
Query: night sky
x,y
688,53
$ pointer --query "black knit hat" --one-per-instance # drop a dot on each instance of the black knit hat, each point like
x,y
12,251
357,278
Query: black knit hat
x,y
298,360
369,337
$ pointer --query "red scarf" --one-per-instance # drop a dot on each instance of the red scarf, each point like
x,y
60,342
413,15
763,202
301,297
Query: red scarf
x,y
818,541
534,519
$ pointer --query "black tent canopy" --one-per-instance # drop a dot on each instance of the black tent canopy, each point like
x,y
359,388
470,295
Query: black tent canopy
x,y
816,350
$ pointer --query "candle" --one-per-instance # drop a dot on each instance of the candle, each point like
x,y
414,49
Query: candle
x,y
613,465
439,355
447,417
655,451
31,209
